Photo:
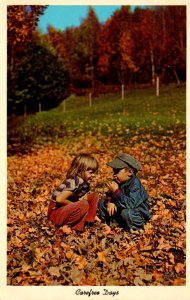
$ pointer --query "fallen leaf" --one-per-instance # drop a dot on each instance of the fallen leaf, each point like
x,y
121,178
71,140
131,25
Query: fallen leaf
x,y
179,281
158,276
66,229
54,271
76,275
138,281
102,257
179,267
81,262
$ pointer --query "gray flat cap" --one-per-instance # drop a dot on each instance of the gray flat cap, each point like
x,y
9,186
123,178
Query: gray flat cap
x,y
123,160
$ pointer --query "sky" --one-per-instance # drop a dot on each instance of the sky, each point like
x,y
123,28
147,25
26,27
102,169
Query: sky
x,y
63,16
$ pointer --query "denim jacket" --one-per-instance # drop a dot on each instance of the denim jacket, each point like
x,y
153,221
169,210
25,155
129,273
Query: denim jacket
x,y
132,195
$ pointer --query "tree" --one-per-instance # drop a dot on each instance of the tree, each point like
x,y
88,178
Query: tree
x,y
144,36
79,48
56,39
105,51
71,57
117,47
174,58
160,42
65,46
21,23
41,79
88,37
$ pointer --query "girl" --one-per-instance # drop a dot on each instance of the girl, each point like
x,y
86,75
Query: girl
x,y
68,206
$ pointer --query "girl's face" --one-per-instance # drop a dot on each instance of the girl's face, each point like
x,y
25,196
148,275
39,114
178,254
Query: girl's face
x,y
88,175
121,175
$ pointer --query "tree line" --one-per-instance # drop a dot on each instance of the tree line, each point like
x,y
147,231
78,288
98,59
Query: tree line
x,y
129,48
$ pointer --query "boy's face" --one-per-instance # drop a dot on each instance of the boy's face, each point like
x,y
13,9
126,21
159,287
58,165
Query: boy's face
x,y
121,175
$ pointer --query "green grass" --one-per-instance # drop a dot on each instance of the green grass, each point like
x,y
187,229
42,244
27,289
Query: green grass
x,y
108,115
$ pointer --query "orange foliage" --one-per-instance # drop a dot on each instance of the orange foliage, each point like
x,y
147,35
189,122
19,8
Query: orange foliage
x,y
41,254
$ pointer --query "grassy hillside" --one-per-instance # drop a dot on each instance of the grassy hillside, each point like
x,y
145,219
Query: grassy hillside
x,y
108,115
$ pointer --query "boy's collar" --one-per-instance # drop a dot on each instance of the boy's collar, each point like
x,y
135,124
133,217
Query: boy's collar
x,y
128,182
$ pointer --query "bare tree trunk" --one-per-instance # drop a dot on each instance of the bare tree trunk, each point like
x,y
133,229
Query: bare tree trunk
x,y
122,92
157,85
176,76
90,99
24,109
152,64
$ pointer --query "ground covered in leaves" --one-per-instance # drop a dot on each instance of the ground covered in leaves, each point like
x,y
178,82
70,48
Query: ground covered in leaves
x,y
40,254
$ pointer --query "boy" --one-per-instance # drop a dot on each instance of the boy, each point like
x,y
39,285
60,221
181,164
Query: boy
x,y
127,200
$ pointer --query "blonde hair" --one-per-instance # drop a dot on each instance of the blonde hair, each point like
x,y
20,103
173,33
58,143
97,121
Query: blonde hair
x,y
80,164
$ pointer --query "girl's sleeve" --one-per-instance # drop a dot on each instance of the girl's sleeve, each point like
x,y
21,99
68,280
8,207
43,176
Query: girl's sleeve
x,y
132,199
70,185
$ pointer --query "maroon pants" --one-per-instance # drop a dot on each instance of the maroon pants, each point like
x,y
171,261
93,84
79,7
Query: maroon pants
x,y
75,214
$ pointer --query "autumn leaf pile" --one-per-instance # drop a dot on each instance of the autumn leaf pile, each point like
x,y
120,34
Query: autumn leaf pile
x,y
41,254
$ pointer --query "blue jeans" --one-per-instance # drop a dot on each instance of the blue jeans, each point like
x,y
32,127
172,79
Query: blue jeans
x,y
127,218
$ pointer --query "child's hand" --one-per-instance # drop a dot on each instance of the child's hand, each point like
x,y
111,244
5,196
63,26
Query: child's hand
x,y
111,209
113,186
97,219
83,198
